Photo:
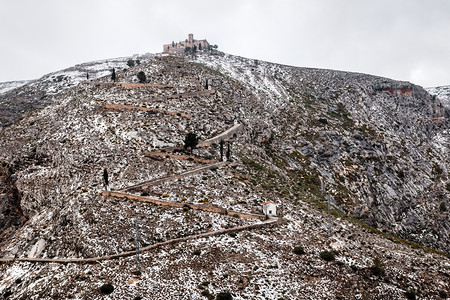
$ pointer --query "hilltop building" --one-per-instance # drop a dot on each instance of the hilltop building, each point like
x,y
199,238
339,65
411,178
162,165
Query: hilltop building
x,y
180,47
270,208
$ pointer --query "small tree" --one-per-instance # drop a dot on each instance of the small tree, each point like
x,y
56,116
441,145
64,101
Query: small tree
x,y
105,178
194,49
327,255
190,141
113,76
228,152
298,250
107,288
206,84
130,63
141,76
224,296
200,47
377,267
87,75
221,150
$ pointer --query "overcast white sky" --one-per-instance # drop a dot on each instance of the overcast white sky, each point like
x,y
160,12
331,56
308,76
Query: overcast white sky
x,y
401,39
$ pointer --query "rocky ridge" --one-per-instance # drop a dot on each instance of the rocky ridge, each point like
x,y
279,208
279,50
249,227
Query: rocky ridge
x,y
379,147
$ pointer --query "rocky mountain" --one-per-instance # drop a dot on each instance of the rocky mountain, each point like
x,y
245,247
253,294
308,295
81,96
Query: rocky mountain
x,y
372,149
442,92
19,98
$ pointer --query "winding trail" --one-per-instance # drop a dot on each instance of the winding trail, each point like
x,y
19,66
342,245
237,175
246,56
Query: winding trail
x,y
226,135
203,207
270,221
160,155
154,110
147,184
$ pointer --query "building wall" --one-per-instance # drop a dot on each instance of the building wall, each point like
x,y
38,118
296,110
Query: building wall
x,y
191,42
270,207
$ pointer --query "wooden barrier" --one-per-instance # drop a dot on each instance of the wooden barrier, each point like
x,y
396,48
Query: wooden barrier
x,y
203,207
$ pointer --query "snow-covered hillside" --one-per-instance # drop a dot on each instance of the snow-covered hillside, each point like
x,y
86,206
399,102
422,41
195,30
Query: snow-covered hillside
x,y
442,92
11,85
372,148
19,98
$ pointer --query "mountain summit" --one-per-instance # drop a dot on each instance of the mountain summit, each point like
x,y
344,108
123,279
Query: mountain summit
x,y
153,187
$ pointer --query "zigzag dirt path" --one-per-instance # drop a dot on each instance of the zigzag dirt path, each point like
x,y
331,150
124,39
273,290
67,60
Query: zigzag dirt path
x,y
144,185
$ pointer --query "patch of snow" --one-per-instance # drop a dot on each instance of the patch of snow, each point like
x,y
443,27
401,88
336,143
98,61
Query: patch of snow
x,y
11,85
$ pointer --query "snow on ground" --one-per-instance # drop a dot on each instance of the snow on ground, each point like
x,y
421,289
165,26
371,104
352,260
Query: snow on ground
x,y
442,92
249,72
11,85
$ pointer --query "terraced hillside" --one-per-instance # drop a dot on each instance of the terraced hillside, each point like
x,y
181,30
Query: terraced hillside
x,y
377,149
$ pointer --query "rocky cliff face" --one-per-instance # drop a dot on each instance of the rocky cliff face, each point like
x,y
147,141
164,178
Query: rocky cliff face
x,y
443,93
380,146
377,149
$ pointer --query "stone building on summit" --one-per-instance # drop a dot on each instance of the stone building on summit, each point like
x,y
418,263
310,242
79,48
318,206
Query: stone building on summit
x,y
188,43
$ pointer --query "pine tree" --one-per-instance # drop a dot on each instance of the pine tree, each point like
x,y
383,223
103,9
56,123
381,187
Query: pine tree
x,y
206,84
221,150
113,76
229,152
105,178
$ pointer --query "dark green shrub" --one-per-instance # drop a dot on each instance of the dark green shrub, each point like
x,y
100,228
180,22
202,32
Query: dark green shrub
x,y
207,294
7,294
377,267
410,294
141,76
327,255
298,250
197,252
107,288
130,63
138,298
443,294
442,207
224,296
190,141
